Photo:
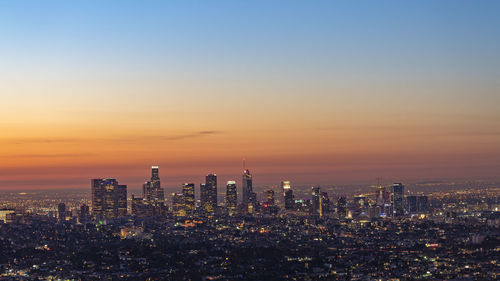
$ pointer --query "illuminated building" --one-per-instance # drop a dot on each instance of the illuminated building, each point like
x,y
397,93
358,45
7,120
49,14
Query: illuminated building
x,y
109,200
397,200
270,197
211,187
342,207
325,203
360,201
285,185
188,193
231,197
247,188
203,197
178,205
252,203
147,193
289,202
4,213
157,193
121,193
315,201
140,207
153,195
417,204
61,212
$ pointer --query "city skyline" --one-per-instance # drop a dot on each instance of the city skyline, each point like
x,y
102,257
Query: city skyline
x,y
316,93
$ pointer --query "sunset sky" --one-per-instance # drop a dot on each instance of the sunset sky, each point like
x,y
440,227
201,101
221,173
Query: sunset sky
x,y
317,92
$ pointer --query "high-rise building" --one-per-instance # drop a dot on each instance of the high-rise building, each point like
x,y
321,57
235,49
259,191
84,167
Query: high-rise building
x,y
121,193
247,188
140,208
84,213
379,196
397,200
231,198
342,207
61,212
147,192
422,204
285,185
210,202
178,205
157,193
316,200
153,196
188,193
270,197
109,200
417,204
289,202
204,195
325,203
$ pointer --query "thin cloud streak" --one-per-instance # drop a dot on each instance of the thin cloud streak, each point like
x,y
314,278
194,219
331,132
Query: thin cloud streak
x,y
60,155
21,141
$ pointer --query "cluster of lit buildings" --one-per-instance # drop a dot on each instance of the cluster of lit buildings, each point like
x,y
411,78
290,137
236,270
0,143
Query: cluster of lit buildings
x,y
109,201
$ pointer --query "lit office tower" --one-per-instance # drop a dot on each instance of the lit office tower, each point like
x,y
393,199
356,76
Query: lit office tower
x,y
325,203
211,186
422,204
231,197
287,195
342,207
379,193
178,204
417,204
121,193
109,200
61,212
155,177
397,200
188,193
147,193
247,187
285,185
270,197
157,193
204,197
316,200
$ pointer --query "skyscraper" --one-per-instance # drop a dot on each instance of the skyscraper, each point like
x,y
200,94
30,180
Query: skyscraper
x,y
121,194
342,207
270,197
204,195
140,208
397,200
211,187
287,195
188,193
156,190
247,187
231,197
153,196
61,212
109,200
325,203
147,193
281,196
178,205
316,200
417,204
